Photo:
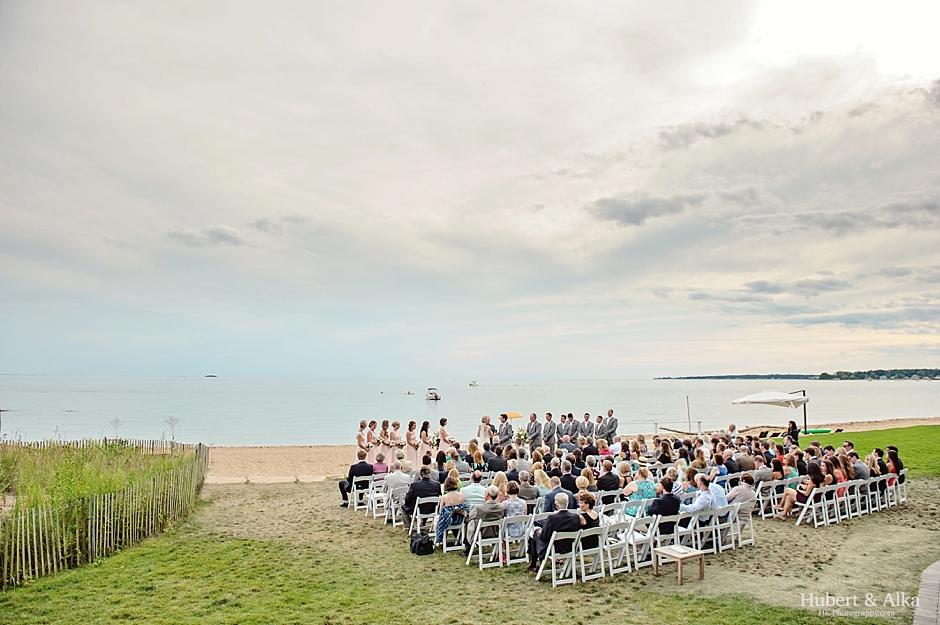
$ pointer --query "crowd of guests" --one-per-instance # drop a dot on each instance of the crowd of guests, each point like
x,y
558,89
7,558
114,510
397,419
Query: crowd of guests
x,y
571,474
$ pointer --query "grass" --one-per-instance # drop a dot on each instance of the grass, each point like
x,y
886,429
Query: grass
x,y
184,578
917,445
57,474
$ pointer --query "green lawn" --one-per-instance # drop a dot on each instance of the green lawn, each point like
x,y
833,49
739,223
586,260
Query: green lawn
x,y
917,445
181,578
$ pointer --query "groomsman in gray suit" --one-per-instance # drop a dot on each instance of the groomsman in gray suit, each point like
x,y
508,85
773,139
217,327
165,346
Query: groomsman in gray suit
x,y
610,426
534,432
586,428
549,431
599,431
505,431
563,426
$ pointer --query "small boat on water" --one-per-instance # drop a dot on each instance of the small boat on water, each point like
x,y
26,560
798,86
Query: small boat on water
x,y
433,395
474,383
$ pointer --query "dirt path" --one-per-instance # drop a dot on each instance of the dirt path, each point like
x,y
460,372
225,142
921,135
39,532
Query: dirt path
x,y
879,553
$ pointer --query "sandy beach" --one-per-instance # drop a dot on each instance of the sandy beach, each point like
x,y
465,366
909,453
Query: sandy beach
x,y
313,463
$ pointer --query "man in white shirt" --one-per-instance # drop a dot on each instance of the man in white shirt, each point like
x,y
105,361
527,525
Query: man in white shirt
x,y
615,446
705,499
474,494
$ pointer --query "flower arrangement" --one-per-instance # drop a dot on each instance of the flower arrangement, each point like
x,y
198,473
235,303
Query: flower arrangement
x,y
435,440
522,436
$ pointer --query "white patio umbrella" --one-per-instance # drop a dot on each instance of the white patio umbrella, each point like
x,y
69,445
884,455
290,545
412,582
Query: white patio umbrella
x,y
776,398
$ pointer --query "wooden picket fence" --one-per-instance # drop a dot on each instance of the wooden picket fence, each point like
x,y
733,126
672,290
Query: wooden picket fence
x,y
46,539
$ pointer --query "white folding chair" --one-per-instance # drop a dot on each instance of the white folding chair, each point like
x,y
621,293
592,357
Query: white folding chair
x,y
562,563
420,519
360,492
608,497
742,525
377,494
595,554
487,534
642,540
516,548
902,486
455,534
765,499
394,498
706,534
726,519
617,546
635,508
891,492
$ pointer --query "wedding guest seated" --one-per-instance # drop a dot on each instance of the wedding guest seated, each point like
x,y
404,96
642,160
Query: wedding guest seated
x,y
580,483
474,493
564,520
705,499
589,476
554,468
673,475
379,466
460,464
624,476
497,462
566,443
513,473
567,479
589,518
642,487
491,510
665,504
801,493
549,501
522,460
861,471
608,480
487,453
745,495
502,484
542,482
405,464
396,478
453,509
744,459
761,472
359,469
514,506
589,449
527,489
424,487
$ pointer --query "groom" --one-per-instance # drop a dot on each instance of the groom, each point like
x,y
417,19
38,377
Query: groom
x,y
505,430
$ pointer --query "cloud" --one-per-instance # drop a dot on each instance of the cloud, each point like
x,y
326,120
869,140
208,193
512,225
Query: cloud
x,y
276,225
208,236
684,135
808,287
631,210
894,272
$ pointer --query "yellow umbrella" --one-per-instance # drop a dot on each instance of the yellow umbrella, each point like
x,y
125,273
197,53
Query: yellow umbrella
x,y
513,415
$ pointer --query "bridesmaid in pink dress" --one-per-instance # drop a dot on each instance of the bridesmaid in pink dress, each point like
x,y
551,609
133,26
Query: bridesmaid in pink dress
x,y
425,447
412,444
372,440
446,441
394,442
361,443
383,443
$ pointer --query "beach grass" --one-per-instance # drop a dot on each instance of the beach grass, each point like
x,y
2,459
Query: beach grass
x,y
58,473
917,445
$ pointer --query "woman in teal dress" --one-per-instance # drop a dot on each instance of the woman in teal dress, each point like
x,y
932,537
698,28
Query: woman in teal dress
x,y
640,488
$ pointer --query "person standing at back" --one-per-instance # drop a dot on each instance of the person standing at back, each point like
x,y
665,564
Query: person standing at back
x,y
534,432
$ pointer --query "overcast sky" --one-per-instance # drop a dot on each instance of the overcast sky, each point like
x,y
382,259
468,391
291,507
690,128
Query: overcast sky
x,y
481,189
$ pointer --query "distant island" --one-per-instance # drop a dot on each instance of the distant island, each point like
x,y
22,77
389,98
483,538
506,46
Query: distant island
x,y
871,374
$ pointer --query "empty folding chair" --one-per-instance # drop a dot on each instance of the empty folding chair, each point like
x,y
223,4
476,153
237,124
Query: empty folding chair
x,y
902,486
394,499
706,535
376,501
617,546
608,497
765,499
685,531
560,556
487,535
745,524
642,539
590,547
516,538
726,519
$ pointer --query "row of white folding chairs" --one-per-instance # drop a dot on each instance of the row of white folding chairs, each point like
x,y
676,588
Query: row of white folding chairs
x,y
840,502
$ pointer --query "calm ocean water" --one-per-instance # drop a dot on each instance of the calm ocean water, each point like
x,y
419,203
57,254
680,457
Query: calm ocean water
x,y
220,411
